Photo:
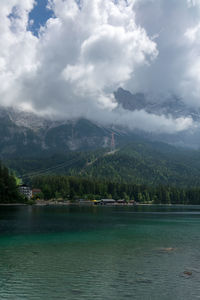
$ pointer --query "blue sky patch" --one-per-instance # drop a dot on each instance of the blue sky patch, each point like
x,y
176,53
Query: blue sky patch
x,y
40,14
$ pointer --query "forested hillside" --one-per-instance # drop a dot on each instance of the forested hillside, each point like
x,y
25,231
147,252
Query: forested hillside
x,y
148,163
140,162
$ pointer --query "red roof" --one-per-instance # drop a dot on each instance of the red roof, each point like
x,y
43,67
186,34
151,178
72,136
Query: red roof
x,y
36,191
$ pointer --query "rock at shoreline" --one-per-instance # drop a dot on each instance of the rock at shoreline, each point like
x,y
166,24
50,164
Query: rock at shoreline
x,y
189,273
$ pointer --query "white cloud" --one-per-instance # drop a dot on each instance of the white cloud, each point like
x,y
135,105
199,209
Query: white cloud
x,y
177,29
103,45
18,48
191,82
193,3
87,51
145,121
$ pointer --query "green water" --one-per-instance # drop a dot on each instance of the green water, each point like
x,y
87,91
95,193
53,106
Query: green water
x,y
99,253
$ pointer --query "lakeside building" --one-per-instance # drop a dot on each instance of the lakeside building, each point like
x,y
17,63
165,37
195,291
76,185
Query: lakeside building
x,y
113,202
25,190
36,192
107,201
121,201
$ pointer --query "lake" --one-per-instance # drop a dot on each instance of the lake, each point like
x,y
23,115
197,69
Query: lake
x,y
71,252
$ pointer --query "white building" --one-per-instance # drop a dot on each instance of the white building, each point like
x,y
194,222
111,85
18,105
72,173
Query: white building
x,y
25,190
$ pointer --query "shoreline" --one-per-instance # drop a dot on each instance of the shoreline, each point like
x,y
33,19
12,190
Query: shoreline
x,y
91,204
13,204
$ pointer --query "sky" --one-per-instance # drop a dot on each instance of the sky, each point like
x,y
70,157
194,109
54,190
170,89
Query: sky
x,y
39,16
65,58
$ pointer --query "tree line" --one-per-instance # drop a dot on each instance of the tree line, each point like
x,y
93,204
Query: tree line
x,y
8,187
73,187
69,187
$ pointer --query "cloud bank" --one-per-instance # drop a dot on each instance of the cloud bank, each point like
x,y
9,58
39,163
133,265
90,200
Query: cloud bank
x,y
90,48
175,27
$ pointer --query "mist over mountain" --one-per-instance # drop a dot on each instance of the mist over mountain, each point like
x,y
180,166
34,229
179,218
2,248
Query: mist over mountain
x,y
171,106
168,106
31,134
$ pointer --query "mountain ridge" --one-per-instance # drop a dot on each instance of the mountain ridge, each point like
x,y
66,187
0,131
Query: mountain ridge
x,y
34,135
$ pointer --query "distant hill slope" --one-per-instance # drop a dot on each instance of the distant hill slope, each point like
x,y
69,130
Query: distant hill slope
x,y
139,162
149,164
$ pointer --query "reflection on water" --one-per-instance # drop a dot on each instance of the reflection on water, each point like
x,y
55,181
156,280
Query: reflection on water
x,y
145,252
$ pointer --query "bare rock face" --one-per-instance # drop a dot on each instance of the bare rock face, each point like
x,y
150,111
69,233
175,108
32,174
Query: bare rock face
x,y
130,101
171,105
27,133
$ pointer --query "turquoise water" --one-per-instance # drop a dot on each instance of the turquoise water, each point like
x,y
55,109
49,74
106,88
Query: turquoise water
x,y
99,253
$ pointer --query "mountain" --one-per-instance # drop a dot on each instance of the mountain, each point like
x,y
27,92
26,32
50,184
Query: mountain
x,y
33,145
26,133
34,135
172,105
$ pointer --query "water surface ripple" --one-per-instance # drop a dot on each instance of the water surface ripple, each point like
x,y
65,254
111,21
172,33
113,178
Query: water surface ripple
x,y
111,253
